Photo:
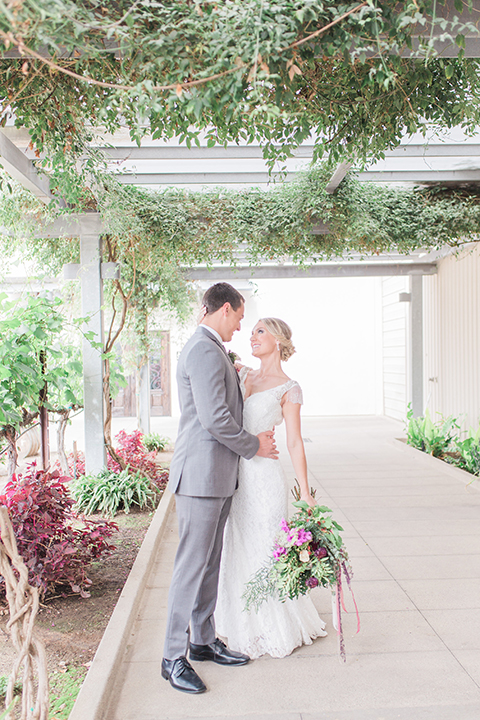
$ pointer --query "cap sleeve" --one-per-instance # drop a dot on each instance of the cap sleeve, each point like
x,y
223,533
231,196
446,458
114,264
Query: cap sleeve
x,y
243,372
294,394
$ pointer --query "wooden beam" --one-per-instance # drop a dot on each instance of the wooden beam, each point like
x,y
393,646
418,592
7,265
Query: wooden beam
x,y
72,225
364,269
338,176
22,169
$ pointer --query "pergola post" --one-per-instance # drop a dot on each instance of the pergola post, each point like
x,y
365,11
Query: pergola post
x,y
143,398
92,302
416,343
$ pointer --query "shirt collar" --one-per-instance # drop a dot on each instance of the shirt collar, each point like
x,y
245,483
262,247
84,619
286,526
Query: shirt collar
x,y
214,333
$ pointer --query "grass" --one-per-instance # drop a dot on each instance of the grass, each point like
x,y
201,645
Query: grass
x,y
3,687
64,688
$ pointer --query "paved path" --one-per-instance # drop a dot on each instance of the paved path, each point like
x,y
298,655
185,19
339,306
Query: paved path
x,y
412,527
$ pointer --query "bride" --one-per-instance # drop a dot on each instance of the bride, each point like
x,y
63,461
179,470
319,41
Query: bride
x,y
260,503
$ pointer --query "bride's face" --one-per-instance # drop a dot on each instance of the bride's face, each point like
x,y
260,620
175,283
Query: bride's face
x,y
263,343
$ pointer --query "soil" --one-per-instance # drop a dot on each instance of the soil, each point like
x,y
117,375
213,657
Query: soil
x,y
70,626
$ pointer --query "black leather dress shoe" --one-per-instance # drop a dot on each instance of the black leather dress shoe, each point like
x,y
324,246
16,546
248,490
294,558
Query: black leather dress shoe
x,y
182,676
218,652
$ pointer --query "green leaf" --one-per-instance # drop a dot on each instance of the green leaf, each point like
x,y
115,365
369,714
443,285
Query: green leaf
x,y
449,71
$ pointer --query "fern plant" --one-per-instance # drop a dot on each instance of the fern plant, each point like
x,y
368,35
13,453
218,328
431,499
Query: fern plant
x,y
109,492
468,452
433,438
153,441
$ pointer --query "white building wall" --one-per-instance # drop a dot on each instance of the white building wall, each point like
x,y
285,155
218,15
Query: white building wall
x,y
395,342
336,324
452,337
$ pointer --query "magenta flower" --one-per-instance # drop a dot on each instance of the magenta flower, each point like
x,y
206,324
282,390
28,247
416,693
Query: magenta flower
x,y
303,537
320,552
278,551
284,525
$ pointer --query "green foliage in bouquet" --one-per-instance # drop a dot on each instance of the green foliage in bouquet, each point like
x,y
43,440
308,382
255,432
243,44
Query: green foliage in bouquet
x,y
308,552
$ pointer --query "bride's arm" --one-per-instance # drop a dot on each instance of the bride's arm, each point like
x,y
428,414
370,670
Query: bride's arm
x,y
291,414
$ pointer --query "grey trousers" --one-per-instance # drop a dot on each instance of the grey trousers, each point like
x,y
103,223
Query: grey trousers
x,y
193,590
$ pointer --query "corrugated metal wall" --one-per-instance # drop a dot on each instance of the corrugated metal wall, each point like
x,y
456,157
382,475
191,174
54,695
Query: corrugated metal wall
x,y
452,337
395,331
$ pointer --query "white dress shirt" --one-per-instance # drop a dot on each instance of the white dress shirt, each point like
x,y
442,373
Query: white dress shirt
x,y
214,333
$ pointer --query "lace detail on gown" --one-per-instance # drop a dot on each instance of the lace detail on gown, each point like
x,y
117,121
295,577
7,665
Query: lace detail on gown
x,y
294,395
258,506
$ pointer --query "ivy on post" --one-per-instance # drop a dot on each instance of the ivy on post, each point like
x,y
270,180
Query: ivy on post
x,y
42,409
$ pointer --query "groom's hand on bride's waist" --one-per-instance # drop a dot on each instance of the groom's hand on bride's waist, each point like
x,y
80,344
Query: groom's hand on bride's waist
x,y
267,447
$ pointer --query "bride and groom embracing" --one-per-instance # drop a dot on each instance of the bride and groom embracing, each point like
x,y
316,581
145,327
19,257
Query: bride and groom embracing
x,y
231,493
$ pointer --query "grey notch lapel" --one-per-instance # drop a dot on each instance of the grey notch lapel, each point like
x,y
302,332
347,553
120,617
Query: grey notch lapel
x,y
220,345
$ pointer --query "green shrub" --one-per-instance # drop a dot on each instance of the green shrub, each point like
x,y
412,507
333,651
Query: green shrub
x,y
467,456
108,492
153,441
433,438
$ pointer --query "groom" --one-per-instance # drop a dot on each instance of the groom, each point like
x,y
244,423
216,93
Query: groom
x,y
203,476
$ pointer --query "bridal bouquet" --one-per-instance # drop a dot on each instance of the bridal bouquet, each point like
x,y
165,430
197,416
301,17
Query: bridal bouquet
x,y
308,552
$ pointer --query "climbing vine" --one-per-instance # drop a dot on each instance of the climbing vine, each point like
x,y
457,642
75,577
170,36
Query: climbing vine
x,y
155,236
358,75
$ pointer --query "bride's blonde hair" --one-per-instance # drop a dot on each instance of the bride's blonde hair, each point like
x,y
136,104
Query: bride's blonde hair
x,y
282,334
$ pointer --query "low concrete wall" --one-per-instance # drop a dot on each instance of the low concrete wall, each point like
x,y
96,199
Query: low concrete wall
x,y
445,467
95,693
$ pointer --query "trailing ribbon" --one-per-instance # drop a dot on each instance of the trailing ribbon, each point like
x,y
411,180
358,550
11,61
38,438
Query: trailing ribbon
x,y
349,581
338,596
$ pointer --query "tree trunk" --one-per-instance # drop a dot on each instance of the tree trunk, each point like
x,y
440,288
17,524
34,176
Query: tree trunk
x,y
11,438
42,401
107,427
62,457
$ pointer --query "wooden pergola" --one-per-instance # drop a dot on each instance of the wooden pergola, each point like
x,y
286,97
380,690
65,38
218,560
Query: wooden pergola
x,y
452,158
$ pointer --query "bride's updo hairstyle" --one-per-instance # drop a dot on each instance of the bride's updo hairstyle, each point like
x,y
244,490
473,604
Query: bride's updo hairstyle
x,y
282,334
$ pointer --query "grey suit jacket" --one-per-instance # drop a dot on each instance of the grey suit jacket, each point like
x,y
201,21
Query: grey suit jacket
x,y
210,438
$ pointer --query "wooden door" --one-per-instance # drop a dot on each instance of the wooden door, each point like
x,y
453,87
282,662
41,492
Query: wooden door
x,y
125,404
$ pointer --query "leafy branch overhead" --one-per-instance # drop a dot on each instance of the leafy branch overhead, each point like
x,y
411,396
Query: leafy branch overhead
x,y
157,235
357,75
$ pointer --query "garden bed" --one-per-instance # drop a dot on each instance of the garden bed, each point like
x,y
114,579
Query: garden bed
x,y
70,626
460,473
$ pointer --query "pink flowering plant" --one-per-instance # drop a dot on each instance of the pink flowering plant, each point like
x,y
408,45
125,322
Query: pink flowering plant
x,y
308,552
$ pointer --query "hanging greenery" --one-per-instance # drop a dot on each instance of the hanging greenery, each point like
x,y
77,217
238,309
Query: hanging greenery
x,y
156,235
175,228
357,75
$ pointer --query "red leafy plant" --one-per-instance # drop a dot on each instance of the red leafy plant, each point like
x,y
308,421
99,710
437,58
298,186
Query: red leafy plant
x,y
132,451
55,545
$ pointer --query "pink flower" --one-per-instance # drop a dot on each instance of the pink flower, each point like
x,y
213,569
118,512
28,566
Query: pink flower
x,y
278,551
303,537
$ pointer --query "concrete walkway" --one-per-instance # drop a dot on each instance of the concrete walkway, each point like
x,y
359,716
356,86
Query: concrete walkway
x,y
412,528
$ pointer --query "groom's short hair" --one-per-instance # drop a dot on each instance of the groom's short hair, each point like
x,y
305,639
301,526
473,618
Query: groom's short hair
x,y
217,295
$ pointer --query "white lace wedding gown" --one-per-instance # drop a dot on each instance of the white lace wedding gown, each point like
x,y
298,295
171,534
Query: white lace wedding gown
x,y
259,504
